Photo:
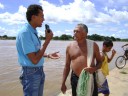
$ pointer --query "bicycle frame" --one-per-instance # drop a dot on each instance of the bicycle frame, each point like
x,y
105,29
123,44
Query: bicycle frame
x,y
121,60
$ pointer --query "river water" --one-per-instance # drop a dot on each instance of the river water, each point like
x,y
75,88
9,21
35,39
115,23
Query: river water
x,y
10,70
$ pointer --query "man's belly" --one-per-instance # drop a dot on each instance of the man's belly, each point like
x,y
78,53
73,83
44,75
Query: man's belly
x,y
77,68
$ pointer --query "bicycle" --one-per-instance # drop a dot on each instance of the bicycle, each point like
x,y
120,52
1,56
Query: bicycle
x,y
121,60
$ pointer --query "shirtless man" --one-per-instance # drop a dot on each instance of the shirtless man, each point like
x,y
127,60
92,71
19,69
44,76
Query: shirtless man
x,y
76,58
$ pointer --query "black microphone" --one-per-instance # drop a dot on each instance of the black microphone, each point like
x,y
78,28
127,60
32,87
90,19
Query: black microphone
x,y
47,28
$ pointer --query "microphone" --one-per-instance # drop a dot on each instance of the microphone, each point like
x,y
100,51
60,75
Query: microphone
x,y
47,28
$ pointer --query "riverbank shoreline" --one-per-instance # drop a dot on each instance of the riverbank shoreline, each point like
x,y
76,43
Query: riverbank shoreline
x,y
117,80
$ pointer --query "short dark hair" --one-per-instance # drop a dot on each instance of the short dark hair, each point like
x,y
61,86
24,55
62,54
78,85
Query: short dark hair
x,y
108,43
83,26
32,10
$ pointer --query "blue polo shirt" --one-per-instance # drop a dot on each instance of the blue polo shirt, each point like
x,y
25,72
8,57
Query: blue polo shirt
x,y
28,42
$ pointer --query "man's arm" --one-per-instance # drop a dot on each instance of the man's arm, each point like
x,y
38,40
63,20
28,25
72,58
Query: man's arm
x,y
66,71
113,54
36,56
98,57
46,55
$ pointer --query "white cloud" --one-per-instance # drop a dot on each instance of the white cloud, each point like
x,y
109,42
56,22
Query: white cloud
x,y
103,18
57,33
118,15
1,6
105,9
74,12
6,31
78,11
81,11
2,30
115,16
108,30
16,18
114,35
122,34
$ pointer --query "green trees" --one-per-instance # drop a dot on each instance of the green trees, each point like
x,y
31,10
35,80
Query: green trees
x,y
97,37
5,37
66,37
94,37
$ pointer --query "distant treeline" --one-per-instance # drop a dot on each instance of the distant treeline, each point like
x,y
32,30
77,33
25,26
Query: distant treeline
x,y
94,37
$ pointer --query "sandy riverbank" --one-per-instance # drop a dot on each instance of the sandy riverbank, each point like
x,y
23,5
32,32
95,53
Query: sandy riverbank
x,y
118,82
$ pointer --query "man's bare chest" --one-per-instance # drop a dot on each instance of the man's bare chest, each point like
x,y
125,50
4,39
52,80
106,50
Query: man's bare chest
x,y
76,52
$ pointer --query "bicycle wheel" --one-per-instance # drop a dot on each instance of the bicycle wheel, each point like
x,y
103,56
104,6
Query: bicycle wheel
x,y
120,62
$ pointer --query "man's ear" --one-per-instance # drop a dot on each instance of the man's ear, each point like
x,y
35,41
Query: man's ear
x,y
33,17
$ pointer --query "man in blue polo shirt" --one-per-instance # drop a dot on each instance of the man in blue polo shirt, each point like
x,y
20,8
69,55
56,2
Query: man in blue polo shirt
x,y
31,53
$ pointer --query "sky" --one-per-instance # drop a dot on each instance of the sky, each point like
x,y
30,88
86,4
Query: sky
x,y
103,17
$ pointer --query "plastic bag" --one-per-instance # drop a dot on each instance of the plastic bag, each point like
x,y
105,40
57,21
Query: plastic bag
x,y
100,77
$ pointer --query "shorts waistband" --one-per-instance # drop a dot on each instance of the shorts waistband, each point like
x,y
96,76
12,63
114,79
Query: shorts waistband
x,y
73,74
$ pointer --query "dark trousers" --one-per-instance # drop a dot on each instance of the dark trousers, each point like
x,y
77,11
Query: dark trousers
x,y
74,81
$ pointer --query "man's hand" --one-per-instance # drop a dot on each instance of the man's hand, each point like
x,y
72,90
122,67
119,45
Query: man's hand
x,y
48,35
63,88
113,52
54,55
91,70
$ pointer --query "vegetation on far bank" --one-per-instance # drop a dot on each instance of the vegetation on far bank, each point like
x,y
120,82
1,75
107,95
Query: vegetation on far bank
x,y
94,37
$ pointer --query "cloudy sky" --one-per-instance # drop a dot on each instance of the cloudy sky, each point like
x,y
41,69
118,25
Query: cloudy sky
x,y
103,17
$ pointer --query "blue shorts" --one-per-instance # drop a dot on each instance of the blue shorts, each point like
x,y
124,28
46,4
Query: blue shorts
x,y
32,79
104,88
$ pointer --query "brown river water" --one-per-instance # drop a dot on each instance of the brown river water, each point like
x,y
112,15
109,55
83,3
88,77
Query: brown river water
x,y
10,69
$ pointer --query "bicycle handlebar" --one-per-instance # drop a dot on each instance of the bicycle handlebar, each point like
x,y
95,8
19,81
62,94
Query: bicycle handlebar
x,y
124,48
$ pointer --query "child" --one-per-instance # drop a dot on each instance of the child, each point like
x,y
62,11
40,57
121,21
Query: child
x,y
107,46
